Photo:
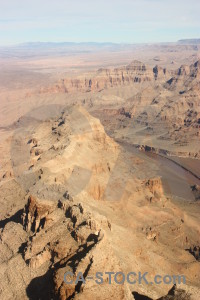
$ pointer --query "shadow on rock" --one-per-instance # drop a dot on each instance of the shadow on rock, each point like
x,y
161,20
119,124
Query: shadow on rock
x,y
40,288
15,218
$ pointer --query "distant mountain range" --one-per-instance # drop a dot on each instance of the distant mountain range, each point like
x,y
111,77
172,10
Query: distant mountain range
x,y
189,41
35,49
96,44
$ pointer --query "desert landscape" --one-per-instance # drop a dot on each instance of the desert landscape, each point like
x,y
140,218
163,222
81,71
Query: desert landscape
x,y
99,169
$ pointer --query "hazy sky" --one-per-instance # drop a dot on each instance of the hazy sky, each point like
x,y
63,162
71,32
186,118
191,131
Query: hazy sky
x,y
98,20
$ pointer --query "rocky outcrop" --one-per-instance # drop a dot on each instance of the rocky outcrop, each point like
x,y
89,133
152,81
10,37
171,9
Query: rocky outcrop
x,y
73,241
195,251
35,214
196,191
155,186
164,152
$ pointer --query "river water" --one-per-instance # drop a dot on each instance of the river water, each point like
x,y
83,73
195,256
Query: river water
x,y
176,180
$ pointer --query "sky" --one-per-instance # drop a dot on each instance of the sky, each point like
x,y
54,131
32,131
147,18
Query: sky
x,y
119,21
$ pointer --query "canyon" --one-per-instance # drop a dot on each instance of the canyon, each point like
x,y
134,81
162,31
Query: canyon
x,y
99,170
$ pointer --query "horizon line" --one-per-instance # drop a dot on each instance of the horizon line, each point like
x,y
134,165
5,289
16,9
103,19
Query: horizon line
x,y
96,42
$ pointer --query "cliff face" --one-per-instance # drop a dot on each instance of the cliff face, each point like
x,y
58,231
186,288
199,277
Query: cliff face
x,y
184,77
134,73
171,111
